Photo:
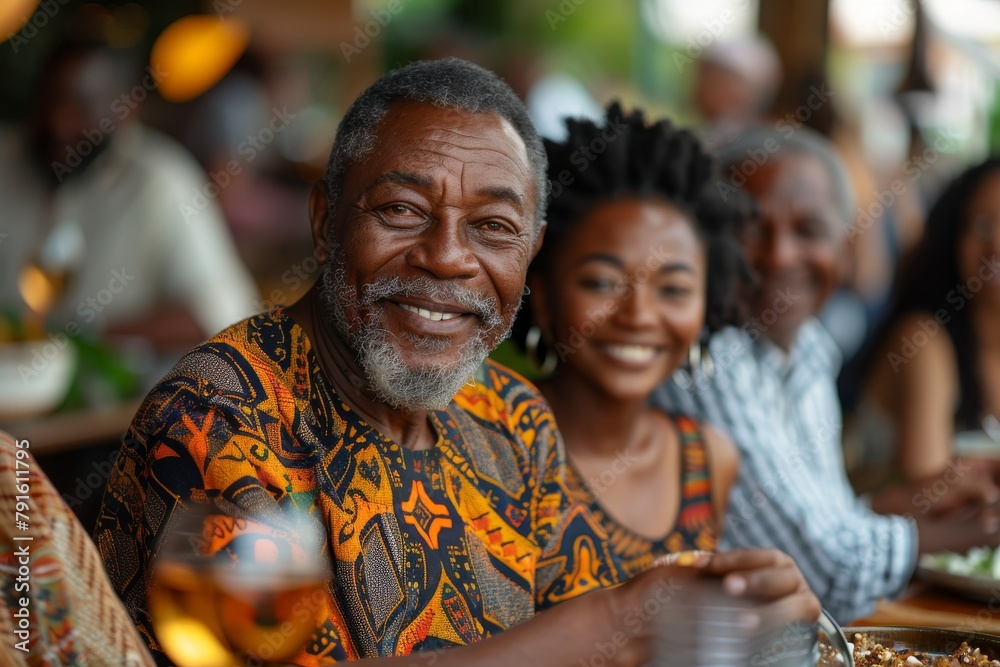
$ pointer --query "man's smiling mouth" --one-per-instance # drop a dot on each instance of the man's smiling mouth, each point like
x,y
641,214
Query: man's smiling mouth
x,y
432,315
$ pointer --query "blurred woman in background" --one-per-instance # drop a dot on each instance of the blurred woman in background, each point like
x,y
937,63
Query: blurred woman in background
x,y
937,368
641,255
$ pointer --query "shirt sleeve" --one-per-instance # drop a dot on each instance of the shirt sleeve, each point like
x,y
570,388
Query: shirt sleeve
x,y
786,498
192,442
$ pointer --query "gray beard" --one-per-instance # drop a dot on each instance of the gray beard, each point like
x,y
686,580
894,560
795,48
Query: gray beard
x,y
392,381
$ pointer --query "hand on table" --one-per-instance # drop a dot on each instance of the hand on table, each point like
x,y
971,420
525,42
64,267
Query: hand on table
x,y
759,590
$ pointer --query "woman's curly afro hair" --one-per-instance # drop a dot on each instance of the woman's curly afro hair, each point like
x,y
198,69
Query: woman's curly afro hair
x,y
626,158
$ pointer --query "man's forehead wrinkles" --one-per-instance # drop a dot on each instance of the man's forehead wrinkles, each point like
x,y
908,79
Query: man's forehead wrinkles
x,y
442,156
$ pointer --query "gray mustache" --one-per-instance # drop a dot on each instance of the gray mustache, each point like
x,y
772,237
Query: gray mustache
x,y
486,308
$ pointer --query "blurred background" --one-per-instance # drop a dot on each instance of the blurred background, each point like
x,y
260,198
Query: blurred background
x,y
156,158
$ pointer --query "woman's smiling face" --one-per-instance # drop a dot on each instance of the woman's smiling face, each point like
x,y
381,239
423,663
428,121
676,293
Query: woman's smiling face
x,y
625,296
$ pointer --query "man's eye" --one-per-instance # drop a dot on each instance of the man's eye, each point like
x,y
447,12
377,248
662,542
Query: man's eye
x,y
397,209
812,228
494,226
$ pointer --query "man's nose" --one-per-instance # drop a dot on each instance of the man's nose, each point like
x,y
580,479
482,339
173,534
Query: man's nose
x,y
445,251
779,249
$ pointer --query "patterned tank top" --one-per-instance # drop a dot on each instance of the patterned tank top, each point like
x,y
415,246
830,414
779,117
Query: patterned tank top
x,y
696,527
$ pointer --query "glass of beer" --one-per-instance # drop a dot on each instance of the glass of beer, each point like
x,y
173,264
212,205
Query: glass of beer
x,y
231,592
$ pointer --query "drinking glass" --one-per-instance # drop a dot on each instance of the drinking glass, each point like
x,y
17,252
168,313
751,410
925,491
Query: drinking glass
x,y
229,592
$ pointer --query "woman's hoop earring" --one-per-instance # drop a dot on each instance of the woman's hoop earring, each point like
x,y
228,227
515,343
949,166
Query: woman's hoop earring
x,y
694,356
707,365
531,341
700,360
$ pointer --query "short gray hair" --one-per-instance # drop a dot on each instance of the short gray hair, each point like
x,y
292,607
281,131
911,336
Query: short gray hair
x,y
800,140
449,83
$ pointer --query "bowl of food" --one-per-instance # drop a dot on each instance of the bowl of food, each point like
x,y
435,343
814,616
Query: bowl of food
x,y
913,647
35,376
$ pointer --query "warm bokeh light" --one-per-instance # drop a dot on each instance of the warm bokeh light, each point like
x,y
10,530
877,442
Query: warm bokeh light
x,y
37,289
13,15
194,52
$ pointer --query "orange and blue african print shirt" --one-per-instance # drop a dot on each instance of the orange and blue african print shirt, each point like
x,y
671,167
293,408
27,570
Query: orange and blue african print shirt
x,y
696,527
429,549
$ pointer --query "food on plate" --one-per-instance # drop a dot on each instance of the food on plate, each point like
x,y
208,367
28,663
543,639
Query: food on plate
x,y
868,652
978,562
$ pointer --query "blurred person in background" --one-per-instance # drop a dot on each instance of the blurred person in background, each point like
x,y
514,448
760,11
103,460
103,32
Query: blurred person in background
x,y
640,252
261,188
936,369
117,220
773,391
734,87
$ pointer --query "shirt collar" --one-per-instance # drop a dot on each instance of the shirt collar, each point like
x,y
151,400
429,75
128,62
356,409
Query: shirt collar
x,y
813,347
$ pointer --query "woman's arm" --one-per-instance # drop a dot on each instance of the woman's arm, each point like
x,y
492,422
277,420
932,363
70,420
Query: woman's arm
x,y
620,624
921,391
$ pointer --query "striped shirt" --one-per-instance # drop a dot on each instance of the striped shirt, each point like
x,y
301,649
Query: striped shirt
x,y
792,491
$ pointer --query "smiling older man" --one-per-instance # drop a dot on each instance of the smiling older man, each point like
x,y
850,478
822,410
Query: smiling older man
x,y
438,478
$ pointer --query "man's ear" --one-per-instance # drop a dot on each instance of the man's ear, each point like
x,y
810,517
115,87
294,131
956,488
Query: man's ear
x,y
319,221
541,237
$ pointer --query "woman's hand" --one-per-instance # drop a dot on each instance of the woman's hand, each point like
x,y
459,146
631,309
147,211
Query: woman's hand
x,y
769,577
763,588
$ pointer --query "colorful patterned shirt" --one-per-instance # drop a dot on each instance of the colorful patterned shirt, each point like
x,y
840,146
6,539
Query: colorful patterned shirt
x,y
430,549
696,528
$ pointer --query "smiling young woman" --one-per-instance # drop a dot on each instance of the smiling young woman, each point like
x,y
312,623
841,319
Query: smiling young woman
x,y
641,251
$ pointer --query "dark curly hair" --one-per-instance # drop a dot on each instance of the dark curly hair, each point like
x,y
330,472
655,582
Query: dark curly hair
x,y
932,274
626,158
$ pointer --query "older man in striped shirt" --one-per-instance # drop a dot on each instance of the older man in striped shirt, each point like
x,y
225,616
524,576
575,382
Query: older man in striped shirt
x,y
771,385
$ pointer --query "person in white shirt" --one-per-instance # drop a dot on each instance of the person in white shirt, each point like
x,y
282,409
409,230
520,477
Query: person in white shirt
x,y
116,209
771,386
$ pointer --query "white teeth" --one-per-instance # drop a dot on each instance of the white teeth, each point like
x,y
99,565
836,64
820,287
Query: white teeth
x,y
636,353
432,315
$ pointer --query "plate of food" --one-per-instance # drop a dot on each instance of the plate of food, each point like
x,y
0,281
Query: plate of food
x,y
975,574
913,647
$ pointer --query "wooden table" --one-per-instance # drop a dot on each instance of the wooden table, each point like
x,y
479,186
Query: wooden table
x,y
930,607
75,430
